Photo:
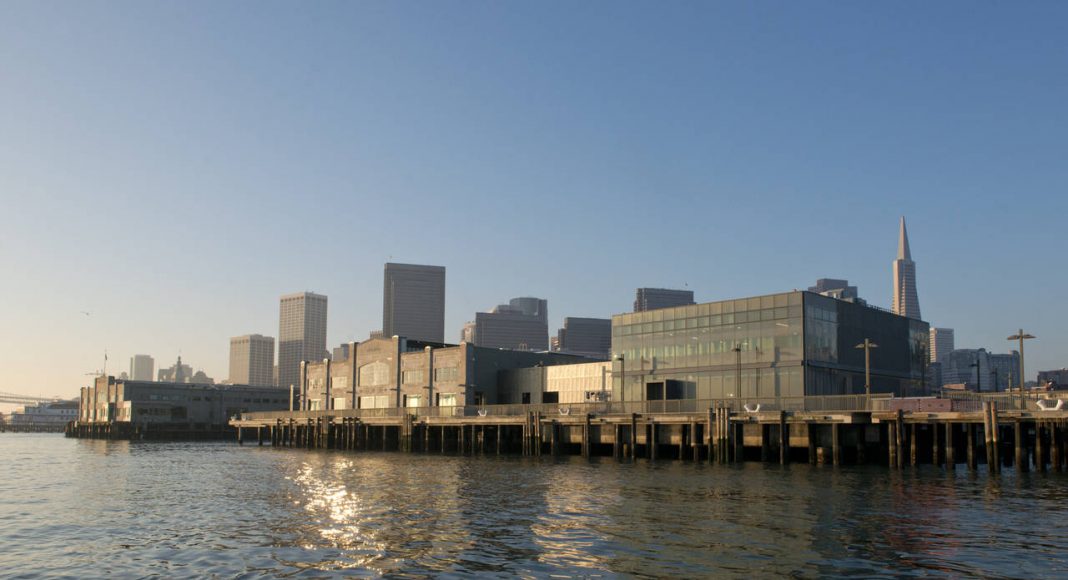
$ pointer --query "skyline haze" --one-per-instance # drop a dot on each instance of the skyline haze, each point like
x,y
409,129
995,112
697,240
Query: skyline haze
x,y
169,170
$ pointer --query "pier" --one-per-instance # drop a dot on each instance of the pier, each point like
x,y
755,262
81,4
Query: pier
x,y
993,430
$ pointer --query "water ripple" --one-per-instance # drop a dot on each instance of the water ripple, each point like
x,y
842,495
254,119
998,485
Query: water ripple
x,y
73,508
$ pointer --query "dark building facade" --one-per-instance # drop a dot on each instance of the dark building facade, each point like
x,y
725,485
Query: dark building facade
x,y
522,324
790,344
656,298
590,337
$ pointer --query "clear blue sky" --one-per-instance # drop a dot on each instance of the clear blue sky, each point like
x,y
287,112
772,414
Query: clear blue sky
x,y
173,167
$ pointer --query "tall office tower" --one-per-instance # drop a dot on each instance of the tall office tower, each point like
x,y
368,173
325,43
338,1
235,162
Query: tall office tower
x,y
142,367
1004,370
252,360
969,366
301,334
654,298
941,343
590,337
522,324
906,302
413,302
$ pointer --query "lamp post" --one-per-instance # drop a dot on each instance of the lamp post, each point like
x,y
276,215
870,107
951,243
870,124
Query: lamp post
x,y
867,345
1021,336
622,376
737,350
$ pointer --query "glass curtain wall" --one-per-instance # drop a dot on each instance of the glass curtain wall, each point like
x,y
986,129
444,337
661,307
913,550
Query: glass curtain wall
x,y
701,347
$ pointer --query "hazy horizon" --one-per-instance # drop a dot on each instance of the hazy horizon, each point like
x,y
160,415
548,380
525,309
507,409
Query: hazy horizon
x,y
173,169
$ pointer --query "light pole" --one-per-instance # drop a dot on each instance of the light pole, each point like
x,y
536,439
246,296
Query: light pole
x,y
737,350
1021,336
622,376
867,345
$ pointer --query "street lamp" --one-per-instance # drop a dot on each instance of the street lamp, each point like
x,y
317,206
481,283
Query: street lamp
x,y
1021,336
738,372
867,345
622,375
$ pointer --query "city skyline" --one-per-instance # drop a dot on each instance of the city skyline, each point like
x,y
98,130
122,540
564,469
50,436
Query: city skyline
x,y
688,167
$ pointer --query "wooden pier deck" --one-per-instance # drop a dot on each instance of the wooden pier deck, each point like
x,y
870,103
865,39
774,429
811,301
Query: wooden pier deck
x,y
1025,437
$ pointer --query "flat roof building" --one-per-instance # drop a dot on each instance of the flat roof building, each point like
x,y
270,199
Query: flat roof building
x,y
142,367
590,337
413,302
656,298
189,405
941,343
790,344
252,360
397,372
522,324
301,333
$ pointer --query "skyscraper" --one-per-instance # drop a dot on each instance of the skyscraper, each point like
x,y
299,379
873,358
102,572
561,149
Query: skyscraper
x,y
906,302
941,343
522,324
413,302
301,334
142,367
585,336
252,360
656,298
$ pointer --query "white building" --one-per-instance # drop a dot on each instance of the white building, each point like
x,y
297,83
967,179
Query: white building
x,y
142,367
252,360
301,334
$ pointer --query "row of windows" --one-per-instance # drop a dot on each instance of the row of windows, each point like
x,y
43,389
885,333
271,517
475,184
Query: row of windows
x,y
708,321
377,374
712,308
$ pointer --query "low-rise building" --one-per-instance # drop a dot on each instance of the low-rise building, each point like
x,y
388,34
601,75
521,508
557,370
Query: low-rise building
x,y
190,405
397,372
569,383
50,413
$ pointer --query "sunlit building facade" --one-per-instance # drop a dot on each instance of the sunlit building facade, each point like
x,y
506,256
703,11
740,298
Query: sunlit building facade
x,y
790,344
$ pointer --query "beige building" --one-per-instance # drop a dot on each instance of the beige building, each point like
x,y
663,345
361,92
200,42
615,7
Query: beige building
x,y
301,334
397,372
252,360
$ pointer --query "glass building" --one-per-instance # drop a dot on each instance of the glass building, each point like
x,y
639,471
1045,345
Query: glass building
x,y
781,345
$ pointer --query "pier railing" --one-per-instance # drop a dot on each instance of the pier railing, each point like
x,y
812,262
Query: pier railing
x,y
831,403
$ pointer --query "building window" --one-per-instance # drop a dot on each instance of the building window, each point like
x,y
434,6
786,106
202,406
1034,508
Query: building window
x,y
416,377
446,374
375,374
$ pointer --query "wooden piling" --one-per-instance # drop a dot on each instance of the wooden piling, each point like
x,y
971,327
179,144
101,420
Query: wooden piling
x,y
1040,456
970,432
935,447
784,439
951,459
765,442
633,435
586,437
995,421
899,435
912,445
651,438
836,448
988,437
709,434
1018,437
811,429
1055,446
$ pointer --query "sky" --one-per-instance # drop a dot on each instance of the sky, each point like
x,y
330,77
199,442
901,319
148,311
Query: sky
x,y
169,169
